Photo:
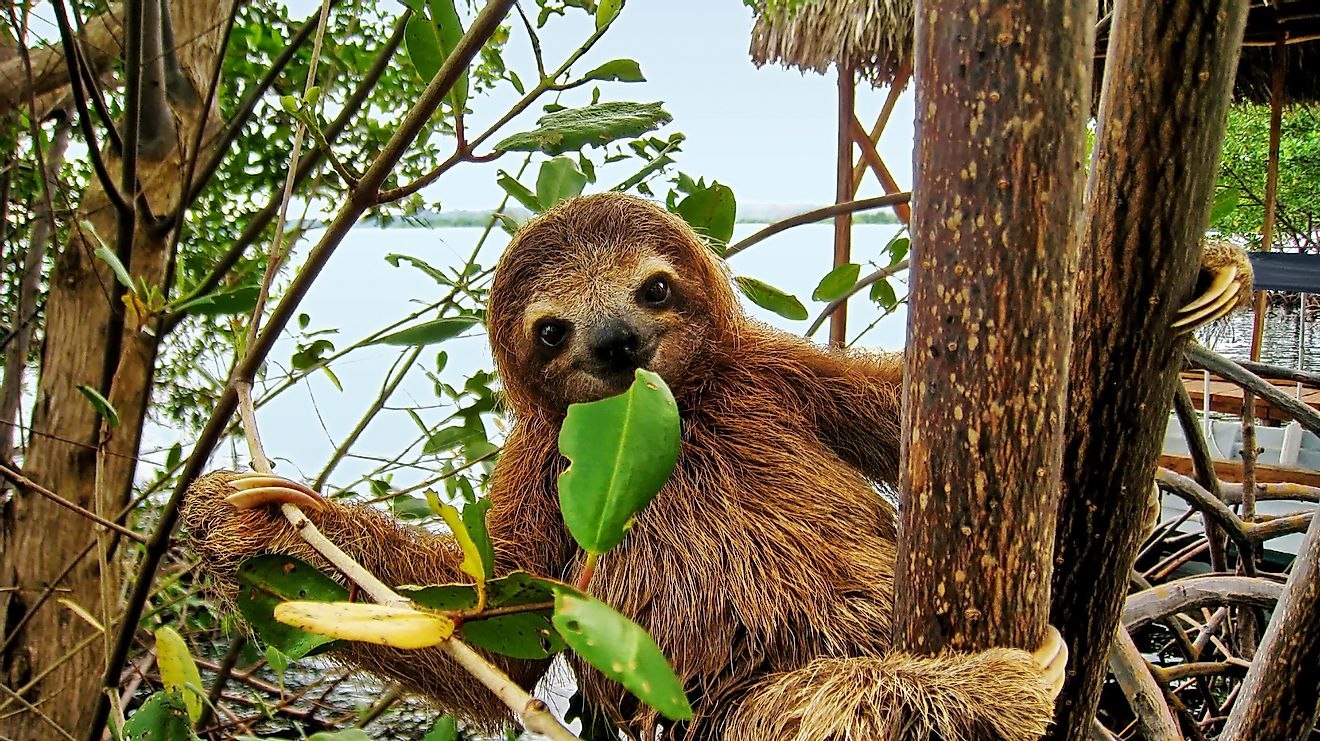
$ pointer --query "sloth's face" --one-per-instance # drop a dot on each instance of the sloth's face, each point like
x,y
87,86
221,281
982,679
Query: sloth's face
x,y
591,321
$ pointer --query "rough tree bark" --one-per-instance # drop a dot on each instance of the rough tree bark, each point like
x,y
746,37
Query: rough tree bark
x,y
1166,90
87,341
1001,100
1280,698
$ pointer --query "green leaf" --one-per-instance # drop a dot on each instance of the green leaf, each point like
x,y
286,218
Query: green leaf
x,y
436,274
522,635
102,405
267,581
474,562
711,211
178,671
277,660
606,12
558,180
621,650
768,297
882,293
898,249
423,45
445,728
597,125
449,30
519,192
428,333
407,507
162,717
621,451
618,70
121,273
474,520
239,300
344,734
446,439
837,282
1226,202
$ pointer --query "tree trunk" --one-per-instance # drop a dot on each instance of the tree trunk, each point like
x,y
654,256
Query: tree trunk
x,y
88,342
1002,99
1166,90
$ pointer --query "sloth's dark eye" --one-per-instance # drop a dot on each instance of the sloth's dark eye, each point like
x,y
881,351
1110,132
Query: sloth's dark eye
x,y
552,334
656,292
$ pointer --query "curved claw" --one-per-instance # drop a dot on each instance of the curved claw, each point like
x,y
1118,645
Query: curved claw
x,y
1052,658
1217,300
262,490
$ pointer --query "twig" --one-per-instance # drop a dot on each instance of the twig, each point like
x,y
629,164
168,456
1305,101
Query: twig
x,y
1201,357
1143,694
27,483
811,217
875,277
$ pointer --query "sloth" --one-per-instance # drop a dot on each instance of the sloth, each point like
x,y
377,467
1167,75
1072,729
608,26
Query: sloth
x,y
764,569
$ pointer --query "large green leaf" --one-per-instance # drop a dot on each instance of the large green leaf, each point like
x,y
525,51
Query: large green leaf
x,y
220,303
712,212
837,282
522,635
621,650
621,450
428,333
178,671
269,580
161,718
430,38
449,29
768,297
573,128
559,179
882,293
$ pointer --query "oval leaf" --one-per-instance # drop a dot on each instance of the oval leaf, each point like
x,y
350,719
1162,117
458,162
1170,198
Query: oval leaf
x,y
267,581
621,450
101,404
597,125
121,273
606,12
898,249
178,671
621,650
837,282
768,297
449,30
423,45
162,717
712,212
882,293
559,180
428,333
618,70
474,563
400,627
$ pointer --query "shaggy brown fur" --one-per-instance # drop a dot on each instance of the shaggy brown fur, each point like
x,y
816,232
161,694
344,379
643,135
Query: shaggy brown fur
x,y
765,567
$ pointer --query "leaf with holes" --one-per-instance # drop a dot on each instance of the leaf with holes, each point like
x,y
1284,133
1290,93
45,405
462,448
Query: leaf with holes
x,y
621,650
621,450
617,70
768,297
597,125
882,293
267,581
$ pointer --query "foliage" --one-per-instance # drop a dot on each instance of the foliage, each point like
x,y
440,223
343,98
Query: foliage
x,y
1242,172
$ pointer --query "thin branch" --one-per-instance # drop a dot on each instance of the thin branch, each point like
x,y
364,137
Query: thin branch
x,y
1144,696
811,217
1193,593
875,277
26,483
1201,357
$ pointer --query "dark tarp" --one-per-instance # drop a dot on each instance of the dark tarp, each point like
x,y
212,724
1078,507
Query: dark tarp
x,y
1286,271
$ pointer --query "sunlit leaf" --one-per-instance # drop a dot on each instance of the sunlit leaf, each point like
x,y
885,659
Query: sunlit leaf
x,y
1226,202
519,192
473,563
621,650
386,625
178,671
621,451
617,70
711,211
522,635
597,125
882,293
768,297
837,282
606,12
267,581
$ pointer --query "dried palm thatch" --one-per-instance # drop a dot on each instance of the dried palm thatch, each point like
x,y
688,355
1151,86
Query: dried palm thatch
x,y
1297,22
873,37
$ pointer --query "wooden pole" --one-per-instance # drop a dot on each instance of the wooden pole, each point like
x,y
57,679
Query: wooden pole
x,y
1279,74
1002,99
1161,125
843,192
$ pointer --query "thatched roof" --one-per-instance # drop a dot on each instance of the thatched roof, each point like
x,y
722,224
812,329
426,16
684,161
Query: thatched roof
x,y
1296,21
873,37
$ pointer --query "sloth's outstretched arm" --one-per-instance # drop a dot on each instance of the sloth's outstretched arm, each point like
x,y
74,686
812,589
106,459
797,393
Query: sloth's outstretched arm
x,y
225,536
995,695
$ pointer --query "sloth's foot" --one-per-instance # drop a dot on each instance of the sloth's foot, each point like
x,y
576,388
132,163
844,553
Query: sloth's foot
x,y
253,490
1223,285
1052,658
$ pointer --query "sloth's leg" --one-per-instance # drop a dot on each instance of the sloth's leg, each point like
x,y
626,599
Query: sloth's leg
x,y
1003,694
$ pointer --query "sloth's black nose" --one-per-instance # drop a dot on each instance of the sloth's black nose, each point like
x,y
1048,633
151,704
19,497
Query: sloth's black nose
x,y
617,348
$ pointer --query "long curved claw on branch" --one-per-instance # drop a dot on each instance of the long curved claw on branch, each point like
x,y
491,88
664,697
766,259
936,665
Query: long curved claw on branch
x,y
1220,298
262,490
1052,658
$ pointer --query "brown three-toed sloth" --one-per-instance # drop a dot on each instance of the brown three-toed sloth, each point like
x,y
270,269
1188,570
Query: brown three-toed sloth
x,y
765,567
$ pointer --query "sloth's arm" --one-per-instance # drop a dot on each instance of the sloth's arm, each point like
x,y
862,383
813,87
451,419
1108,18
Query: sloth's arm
x,y
995,695
225,536
856,402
